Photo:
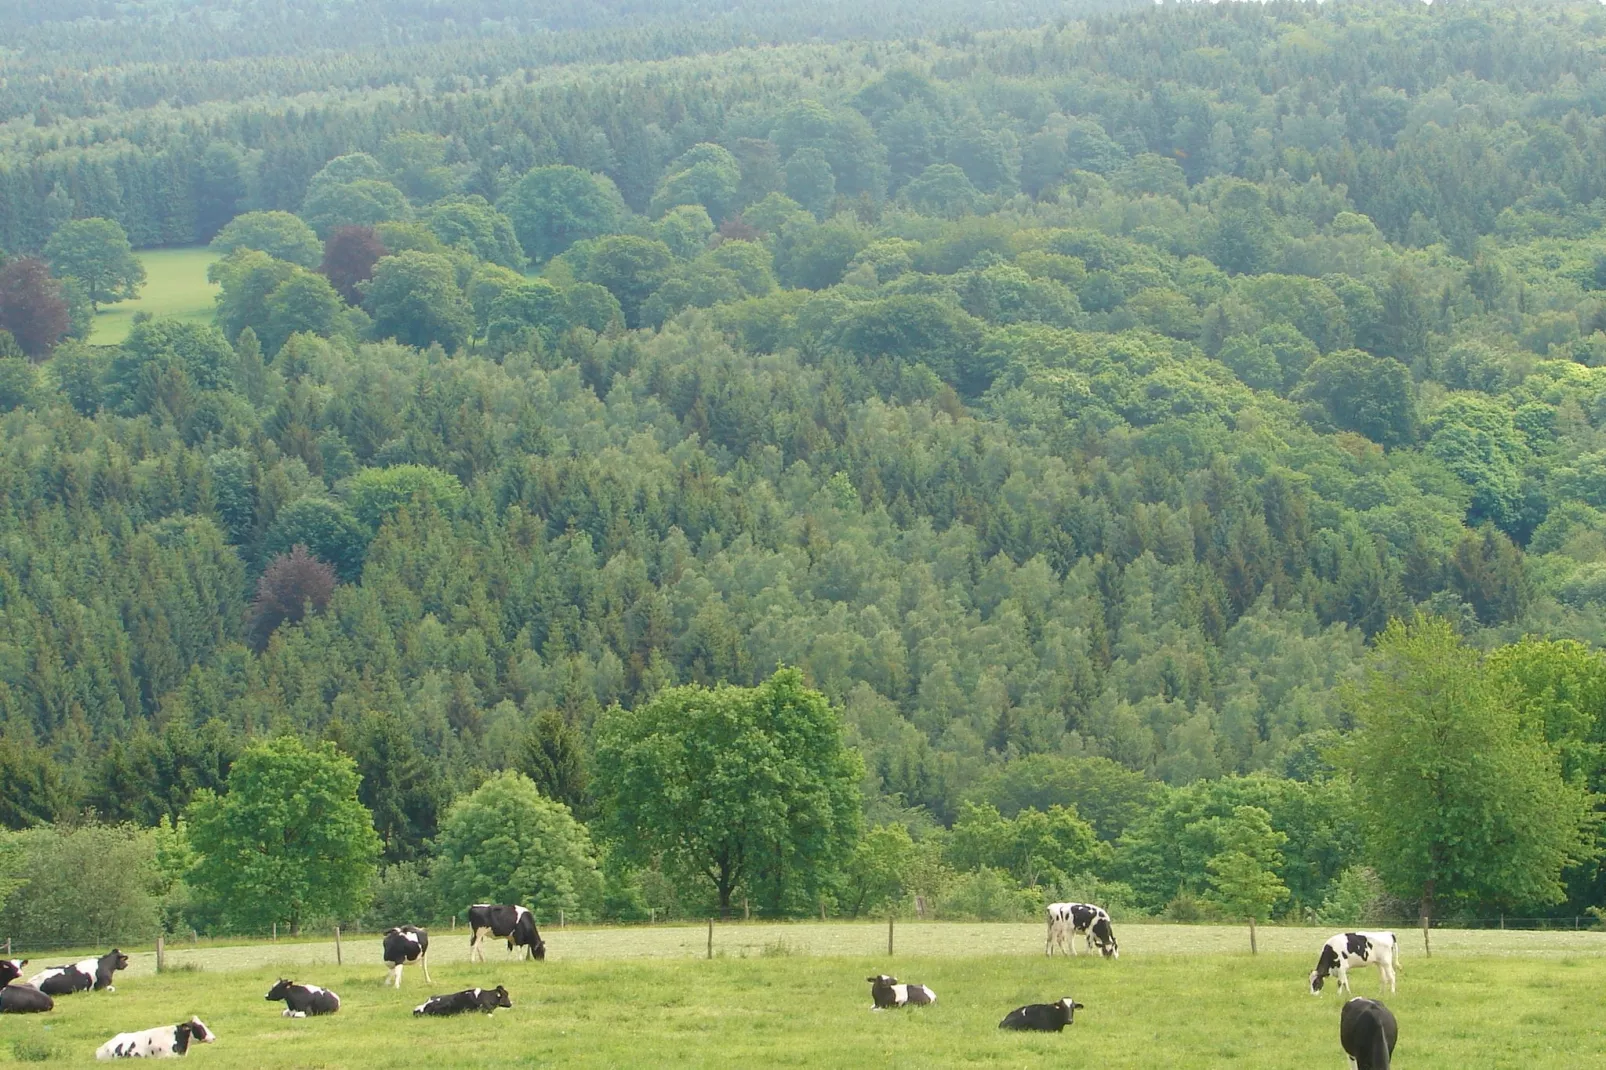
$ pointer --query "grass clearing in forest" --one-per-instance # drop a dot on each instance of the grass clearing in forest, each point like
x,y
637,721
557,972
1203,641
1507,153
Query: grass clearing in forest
x,y
1178,998
175,285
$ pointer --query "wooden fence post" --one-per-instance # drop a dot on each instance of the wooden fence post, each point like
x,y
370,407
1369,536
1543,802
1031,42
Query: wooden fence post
x,y
746,914
822,910
561,923
889,936
161,958
1427,947
338,960
8,947
1252,949
276,932
652,915
710,937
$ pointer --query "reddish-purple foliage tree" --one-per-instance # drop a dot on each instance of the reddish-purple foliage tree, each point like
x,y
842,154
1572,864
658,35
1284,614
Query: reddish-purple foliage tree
x,y
349,257
32,306
289,585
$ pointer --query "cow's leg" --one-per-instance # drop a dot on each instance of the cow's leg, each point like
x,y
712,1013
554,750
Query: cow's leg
x,y
476,953
423,960
395,976
1343,978
1388,975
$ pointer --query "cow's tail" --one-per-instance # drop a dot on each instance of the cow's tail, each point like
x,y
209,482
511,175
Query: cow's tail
x,y
1380,1048
1394,942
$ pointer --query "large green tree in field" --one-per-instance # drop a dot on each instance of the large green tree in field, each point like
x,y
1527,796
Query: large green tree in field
x,y
96,253
1243,877
289,841
734,788
508,843
1462,796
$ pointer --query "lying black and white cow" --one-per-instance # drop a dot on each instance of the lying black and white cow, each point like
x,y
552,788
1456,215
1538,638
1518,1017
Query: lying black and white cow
x,y
1367,1030
470,999
887,992
1350,951
1042,1017
301,1001
18,998
81,976
1067,921
511,922
162,1042
404,944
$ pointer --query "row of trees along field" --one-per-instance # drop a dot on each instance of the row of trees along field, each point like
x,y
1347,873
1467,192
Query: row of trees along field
x,y
1074,406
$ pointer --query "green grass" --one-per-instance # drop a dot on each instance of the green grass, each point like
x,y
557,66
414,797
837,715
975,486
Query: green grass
x,y
175,285
1178,998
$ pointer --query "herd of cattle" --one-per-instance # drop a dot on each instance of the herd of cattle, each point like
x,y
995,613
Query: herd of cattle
x,y
1367,1029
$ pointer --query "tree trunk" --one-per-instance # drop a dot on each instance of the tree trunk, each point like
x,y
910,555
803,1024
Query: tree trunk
x,y
1427,916
1252,949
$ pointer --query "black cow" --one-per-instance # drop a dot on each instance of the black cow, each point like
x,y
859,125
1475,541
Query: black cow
x,y
1367,1030
513,923
24,999
1042,1017
470,999
300,1001
887,992
404,944
20,998
81,976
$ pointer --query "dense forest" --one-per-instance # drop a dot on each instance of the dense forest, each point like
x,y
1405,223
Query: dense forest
x,y
1073,393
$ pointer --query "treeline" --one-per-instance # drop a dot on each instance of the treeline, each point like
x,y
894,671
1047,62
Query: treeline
x,y
1076,473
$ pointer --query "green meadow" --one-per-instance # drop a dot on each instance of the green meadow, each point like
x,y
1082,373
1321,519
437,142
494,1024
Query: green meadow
x,y
175,285
795,995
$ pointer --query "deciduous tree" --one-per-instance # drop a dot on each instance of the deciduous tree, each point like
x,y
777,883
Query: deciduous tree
x,y
96,253
289,841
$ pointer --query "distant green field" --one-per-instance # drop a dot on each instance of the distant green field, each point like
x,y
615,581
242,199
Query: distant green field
x,y
175,285
1176,999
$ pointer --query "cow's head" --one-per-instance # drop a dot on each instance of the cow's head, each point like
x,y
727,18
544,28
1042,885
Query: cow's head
x,y
115,958
280,989
882,979
1069,1007
499,998
1104,937
1324,966
538,949
200,1032
11,969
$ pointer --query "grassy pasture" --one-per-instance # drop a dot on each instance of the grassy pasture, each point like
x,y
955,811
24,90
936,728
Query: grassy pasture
x,y
175,285
794,995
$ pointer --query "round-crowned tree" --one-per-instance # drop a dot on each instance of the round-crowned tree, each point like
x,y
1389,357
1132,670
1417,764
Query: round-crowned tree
x,y
507,843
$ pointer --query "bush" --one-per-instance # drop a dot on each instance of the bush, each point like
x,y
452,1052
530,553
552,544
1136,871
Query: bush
x,y
1356,897
404,894
93,885
986,894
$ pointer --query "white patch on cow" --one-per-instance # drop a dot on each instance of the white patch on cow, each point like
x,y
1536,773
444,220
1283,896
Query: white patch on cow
x,y
411,938
931,997
313,989
518,914
900,995
288,1013
88,966
420,1008
45,975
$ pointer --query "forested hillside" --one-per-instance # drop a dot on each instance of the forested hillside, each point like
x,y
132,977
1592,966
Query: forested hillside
x,y
1072,396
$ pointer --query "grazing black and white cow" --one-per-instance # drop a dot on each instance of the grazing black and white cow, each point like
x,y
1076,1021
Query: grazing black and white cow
x,y
887,992
470,999
1042,1017
1367,1030
511,922
1067,921
81,976
302,1001
162,1042
18,998
404,944
1350,951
